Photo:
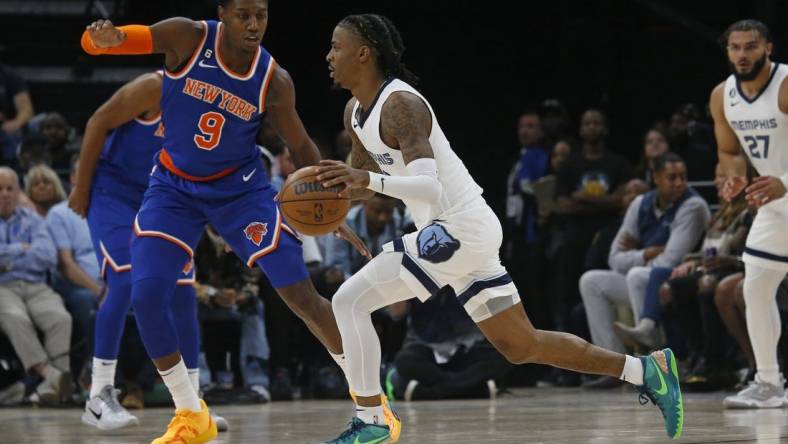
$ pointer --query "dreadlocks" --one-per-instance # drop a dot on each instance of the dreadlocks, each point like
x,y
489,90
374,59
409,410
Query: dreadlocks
x,y
381,34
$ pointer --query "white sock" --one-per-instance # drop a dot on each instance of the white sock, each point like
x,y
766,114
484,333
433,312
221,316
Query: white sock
x,y
342,363
371,415
103,375
763,319
633,371
181,389
194,378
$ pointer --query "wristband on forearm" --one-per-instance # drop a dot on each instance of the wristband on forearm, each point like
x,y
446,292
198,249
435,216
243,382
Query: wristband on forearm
x,y
138,41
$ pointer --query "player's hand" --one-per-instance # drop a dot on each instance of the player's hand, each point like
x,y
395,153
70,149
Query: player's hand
x,y
344,232
104,34
732,187
79,201
333,172
763,190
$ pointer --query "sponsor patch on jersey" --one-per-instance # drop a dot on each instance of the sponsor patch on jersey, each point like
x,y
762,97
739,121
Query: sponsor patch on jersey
x,y
435,244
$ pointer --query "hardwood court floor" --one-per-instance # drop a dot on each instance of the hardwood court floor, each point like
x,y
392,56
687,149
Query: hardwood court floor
x,y
529,416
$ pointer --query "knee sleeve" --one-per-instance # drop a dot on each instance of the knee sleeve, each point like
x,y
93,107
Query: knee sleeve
x,y
184,316
763,316
151,298
155,266
375,286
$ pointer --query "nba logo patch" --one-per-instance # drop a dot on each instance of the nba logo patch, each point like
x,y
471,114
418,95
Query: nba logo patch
x,y
256,231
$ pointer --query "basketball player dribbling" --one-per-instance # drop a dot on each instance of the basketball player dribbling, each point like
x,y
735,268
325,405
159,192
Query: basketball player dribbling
x,y
750,111
219,83
400,150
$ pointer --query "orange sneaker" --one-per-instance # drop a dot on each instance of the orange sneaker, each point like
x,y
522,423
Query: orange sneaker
x,y
188,427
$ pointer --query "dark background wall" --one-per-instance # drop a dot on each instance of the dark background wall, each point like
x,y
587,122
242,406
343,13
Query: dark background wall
x,y
480,63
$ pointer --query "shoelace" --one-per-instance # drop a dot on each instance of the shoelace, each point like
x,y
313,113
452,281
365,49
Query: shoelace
x,y
184,427
753,386
646,396
111,400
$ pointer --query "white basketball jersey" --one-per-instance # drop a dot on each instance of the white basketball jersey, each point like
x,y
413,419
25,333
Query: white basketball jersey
x,y
460,191
760,125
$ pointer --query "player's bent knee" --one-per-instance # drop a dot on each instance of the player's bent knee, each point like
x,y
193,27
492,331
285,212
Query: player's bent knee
x,y
355,294
146,295
341,299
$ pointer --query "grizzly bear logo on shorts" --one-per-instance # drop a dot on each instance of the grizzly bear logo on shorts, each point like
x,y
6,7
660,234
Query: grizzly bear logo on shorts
x,y
436,244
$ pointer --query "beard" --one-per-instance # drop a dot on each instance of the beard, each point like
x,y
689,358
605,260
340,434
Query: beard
x,y
748,76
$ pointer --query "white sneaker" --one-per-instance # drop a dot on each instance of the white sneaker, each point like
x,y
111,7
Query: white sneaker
x,y
105,412
757,395
221,424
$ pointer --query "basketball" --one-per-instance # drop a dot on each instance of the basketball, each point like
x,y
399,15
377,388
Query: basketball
x,y
310,208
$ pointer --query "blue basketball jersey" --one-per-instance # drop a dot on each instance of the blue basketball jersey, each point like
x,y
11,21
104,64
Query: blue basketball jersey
x,y
211,113
127,158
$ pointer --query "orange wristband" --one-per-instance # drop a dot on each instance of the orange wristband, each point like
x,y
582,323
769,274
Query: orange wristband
x,y
138,41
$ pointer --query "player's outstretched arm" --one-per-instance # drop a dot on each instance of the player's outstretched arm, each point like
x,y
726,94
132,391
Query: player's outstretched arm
x,y
140,97
176,38
729,153
280,103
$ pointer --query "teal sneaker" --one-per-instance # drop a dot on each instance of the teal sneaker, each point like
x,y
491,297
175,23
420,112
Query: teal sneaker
x,y
359,432
661,387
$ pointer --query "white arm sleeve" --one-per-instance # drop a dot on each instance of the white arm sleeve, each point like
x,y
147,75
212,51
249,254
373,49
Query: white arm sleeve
x,y
422,185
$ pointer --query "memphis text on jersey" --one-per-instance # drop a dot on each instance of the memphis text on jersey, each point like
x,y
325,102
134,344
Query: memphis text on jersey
x,y
757,124
224,99
381,159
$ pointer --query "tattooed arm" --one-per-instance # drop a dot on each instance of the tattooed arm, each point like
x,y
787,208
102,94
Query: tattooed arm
x,y
405,124
359,158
